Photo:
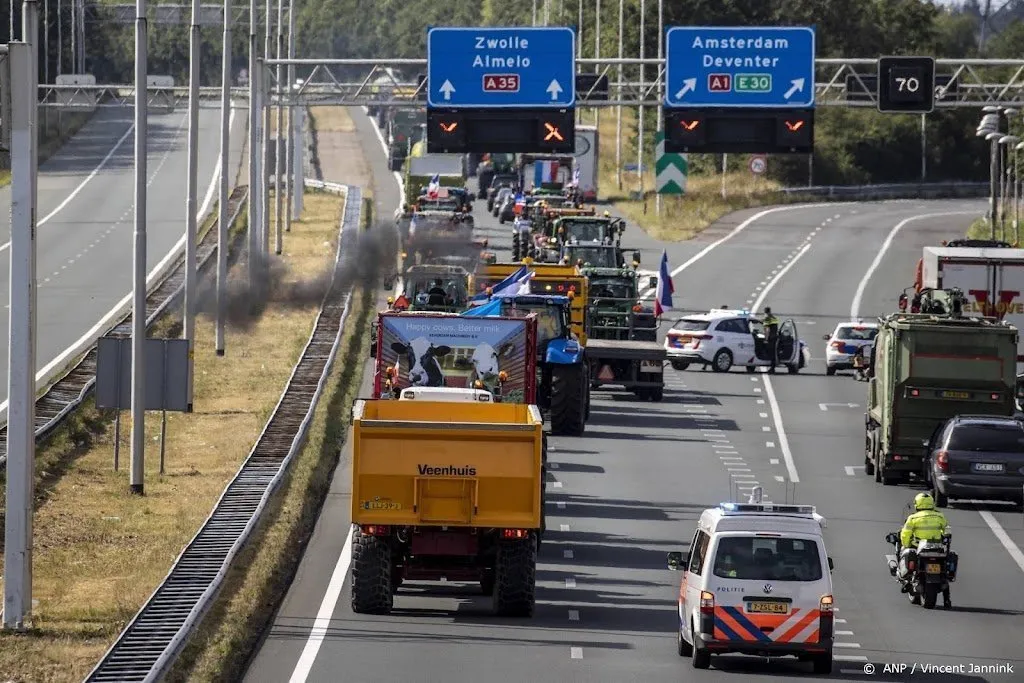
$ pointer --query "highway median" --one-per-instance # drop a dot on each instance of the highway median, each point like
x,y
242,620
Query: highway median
x,y
99,551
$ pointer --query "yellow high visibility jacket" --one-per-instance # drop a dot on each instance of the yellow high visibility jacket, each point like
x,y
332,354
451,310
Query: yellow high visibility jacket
x,y
924,525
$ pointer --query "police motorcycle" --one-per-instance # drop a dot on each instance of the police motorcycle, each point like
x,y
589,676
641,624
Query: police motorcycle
x,y
931,567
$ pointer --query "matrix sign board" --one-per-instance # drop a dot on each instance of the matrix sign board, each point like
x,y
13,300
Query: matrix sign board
x,y
906,84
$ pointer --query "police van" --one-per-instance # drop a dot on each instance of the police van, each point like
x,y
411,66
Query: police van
x,y
756,580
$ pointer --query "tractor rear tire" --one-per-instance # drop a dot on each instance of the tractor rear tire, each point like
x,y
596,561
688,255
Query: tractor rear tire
x,y
568,400
371,575
515,578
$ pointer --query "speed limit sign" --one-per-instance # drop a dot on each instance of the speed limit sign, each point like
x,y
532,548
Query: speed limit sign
x,y
758,164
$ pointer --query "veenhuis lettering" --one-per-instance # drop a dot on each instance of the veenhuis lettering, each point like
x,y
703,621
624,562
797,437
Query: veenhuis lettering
x,y
446,470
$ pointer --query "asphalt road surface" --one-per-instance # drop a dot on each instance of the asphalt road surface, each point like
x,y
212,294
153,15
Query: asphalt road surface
x,y
631,489
84,245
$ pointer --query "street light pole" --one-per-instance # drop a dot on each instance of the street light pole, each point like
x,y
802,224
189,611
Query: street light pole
x,y
188,327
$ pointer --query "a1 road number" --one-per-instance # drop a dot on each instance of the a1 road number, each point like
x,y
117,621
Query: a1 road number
x,y
501,83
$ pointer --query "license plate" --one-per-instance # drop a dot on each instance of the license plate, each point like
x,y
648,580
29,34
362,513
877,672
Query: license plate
x,y
651,366
964,395
767,607
933,569
988,467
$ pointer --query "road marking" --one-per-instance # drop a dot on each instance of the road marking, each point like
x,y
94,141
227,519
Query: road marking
x,y
567,554
850,658
850,645
781,431
851,470
757,390
765,428
760,401
324,613
738,469
1003,537
722,240
556,484
561,505
844,633
769,444
839,621
763,416
859,294
743,476
81,185
754,379
570,582
563,527
552,465
574,615
576,652
780,478
773,461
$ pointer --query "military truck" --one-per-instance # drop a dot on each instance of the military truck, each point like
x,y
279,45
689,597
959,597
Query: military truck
x,y
929,366
404,129
622,345
447,485
562,387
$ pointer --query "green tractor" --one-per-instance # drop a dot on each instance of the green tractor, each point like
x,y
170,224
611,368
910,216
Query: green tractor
x,y
591,229
622,342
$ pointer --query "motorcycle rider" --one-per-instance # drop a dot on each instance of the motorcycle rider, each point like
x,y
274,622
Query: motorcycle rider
x,y
924,524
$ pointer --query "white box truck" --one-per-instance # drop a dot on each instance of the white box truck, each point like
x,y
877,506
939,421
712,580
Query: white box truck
x,y
992,279
586,161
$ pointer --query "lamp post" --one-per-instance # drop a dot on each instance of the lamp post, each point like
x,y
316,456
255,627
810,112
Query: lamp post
x,y
990,125
1018,189
1005,149
994,175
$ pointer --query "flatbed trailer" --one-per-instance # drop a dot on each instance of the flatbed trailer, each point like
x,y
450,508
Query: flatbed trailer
x,y
635,365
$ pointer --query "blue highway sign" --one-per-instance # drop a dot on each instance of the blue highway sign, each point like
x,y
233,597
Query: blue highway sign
x,y
726,66
501,67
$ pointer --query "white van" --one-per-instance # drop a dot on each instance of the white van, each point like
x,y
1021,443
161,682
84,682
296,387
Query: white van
x,y
756,581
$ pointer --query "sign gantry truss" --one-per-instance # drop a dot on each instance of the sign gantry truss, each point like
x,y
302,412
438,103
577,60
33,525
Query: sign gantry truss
x,y
398,82
395,82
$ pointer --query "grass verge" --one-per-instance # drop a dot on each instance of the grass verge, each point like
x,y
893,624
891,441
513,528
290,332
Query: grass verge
x,y
981,229
682,216
230,634
51,135
99,551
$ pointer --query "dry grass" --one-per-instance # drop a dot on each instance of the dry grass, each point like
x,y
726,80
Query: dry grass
x,y
99,551
50,138
684,216
332,119
224,643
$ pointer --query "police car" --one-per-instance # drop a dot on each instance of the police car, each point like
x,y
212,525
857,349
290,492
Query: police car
x,y
844,343
757,581
725,337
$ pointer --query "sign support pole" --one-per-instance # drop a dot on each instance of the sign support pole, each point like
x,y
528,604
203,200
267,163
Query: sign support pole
x,y
618,107
188,328
222,195
254,155
279,184
661,94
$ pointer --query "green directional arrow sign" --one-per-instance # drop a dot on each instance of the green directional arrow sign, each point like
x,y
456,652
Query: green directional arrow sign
x,y
671,169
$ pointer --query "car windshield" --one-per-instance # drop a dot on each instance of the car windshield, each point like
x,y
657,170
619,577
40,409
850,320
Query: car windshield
x,y
688,325
992,437
598,257
584,231
611,288
856,333
758,558
549,319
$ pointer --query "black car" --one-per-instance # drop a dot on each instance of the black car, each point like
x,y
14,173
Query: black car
x,y
978,457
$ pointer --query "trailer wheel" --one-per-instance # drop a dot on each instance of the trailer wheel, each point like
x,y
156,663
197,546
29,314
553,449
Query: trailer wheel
x,y
568,400
371,575
515,578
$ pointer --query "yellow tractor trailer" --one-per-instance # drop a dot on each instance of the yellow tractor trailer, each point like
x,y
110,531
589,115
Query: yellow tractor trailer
x,y
446,486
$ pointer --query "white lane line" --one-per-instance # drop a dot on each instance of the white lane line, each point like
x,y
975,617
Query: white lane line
x,y
576,652
743,476
765,428
574,615
563,527
81,185
781,431
773,461
738,469
839,621
859,294
552,465
844,633
1003,537
714,245
769,444
567,554
779,478
763,416
850,645
324,613
561,505
570,582
556,484
760,401
757,390
851,470
849,658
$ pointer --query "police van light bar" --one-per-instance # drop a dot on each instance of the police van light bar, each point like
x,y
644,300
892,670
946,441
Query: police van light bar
x,y
739,508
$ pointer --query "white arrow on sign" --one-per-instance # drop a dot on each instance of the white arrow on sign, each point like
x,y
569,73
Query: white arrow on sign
x,y
797,86
447,89
688,85
824,406
555,89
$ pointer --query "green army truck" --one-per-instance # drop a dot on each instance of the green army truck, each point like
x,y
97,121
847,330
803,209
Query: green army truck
x,y
622,347
926,368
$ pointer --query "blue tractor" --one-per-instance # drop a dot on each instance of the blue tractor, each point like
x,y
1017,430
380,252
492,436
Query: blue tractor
x,y
563,386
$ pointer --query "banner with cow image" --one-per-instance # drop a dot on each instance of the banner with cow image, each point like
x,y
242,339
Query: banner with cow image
x,y
451,351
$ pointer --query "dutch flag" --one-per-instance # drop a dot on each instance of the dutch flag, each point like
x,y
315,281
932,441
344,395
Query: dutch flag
x,y
434,187
663,294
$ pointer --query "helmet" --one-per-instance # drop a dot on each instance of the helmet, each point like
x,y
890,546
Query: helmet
x,y
924,501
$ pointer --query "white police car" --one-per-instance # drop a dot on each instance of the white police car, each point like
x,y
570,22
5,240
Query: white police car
x,y
757,581
724,337
844,342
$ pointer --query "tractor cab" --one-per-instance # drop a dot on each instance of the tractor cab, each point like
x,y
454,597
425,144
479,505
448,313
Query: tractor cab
x,y
436,288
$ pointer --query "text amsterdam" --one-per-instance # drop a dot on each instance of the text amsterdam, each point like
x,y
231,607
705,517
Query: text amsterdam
x,y
710,45
507,47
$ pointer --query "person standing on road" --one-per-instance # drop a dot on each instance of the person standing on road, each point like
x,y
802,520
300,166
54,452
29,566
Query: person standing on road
x,y
771,326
